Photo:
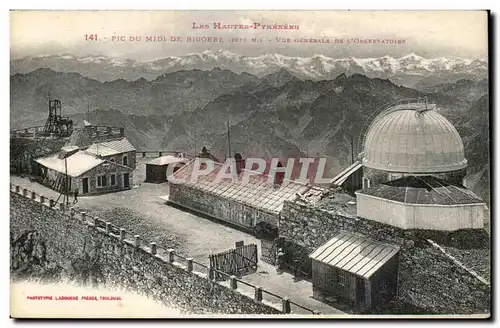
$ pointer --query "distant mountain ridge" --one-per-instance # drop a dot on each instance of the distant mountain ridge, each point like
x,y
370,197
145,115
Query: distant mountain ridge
x,y
407,70
275,115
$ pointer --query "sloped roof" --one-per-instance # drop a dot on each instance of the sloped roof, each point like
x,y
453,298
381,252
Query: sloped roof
x,y
342,176
259,192
422,190
113,147
168,159
76,165
356,254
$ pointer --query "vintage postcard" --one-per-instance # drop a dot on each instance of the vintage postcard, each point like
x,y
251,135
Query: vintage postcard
x,y
219,164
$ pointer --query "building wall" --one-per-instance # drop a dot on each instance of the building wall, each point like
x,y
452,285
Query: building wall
x,y
118,158
107,171
156,173
428,280
390,213
428,217
218,207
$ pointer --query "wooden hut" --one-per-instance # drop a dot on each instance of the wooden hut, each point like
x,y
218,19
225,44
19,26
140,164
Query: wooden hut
x,y
355,270
156,169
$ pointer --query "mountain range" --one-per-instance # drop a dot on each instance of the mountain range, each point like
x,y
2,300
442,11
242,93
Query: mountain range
x,y
409,70
274,115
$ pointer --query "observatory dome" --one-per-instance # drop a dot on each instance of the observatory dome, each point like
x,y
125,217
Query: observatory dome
x,y
413,138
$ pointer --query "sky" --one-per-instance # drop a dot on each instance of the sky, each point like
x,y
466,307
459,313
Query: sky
x,y
430,34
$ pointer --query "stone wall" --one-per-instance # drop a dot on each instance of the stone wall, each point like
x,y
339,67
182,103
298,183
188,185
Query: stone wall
x,y
218,207
110,257
106,170
118,158
429,281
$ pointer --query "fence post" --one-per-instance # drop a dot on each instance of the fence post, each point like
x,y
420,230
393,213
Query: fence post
x,y
233,283
171,255
51,203
189,264
143,154
285,303
33,195
108,227
258,294
61,206
137,241
42,199
152,248
122,234
211,274
159,154
17,189
25,192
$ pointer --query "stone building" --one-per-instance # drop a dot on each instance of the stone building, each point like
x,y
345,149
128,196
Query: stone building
x,y
88,173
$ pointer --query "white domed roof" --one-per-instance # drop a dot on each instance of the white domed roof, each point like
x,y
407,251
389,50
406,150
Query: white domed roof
x,y
413,141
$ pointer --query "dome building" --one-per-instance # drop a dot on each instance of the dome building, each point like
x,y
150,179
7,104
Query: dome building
x,y
414,169
412,138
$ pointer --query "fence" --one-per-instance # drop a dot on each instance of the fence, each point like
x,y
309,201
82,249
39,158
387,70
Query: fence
x,y
158,153
283,304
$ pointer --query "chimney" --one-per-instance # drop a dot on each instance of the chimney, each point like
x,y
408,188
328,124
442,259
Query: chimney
x,y
279,176
240,162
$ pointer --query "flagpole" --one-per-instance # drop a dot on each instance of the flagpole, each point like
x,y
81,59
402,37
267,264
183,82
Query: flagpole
x,y
66,180
228,138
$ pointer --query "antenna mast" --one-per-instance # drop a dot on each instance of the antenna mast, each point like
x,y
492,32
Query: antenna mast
x,y
228,138
195,147
352,149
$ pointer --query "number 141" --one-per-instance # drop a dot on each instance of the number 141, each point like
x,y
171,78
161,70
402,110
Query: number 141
x,y
90,37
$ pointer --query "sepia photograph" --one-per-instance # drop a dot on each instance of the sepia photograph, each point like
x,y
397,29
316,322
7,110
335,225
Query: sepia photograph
x,y
250,164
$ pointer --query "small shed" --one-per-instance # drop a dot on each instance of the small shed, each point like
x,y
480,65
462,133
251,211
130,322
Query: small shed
x,y
355,270
156,169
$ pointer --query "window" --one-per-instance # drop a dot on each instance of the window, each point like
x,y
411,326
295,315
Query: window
x,y
113,179
342,278
125,160
101,181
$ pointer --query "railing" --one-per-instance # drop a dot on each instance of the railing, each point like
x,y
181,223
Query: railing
x,y
284,304
95,131
160,153
32,132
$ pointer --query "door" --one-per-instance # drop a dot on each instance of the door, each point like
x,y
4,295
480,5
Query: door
x,y
126,183
85,185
